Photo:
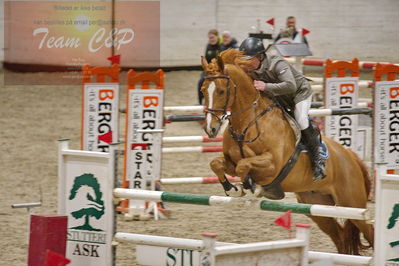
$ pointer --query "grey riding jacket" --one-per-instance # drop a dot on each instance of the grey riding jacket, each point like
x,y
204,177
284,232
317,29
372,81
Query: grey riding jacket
x,y
282,79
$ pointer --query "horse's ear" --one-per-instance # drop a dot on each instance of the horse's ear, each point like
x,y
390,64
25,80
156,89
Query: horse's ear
x,y
204,63
220,63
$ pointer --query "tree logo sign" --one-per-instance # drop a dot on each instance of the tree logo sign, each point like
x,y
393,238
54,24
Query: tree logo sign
x,y
393,220
88,206
95,207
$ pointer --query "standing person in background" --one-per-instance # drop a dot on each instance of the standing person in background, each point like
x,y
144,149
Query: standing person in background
x,y
290,31
212,51
228,41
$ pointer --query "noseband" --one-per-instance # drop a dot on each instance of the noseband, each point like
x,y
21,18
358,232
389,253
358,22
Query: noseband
x,y
226,107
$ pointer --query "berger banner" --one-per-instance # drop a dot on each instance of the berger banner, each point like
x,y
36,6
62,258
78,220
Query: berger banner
x,y
143,150
386,123
342,92
100,116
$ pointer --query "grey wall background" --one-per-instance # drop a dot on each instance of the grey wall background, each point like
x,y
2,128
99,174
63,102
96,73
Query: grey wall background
x,y
340,29
2,32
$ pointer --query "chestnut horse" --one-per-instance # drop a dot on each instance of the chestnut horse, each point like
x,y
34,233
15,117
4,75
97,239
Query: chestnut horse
x,y
268,141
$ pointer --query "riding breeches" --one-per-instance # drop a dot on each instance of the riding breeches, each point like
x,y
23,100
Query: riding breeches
x,y
301,112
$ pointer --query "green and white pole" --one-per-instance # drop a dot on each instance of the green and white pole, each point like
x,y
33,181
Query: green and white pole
x,y
266,205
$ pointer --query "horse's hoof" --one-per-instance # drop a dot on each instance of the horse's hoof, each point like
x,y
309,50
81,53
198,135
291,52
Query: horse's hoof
x,y
237,191
274,193
259,192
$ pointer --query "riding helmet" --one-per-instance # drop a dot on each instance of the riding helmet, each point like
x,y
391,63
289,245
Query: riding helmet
x,y
252,47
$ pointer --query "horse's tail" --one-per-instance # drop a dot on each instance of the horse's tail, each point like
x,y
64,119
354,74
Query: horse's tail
x,y
352,240
365,172
351,232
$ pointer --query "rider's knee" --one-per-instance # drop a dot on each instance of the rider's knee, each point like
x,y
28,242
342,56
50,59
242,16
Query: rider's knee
x,y
303,122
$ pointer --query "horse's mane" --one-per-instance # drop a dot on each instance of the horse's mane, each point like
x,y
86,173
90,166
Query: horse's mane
x,y
233,57
236,62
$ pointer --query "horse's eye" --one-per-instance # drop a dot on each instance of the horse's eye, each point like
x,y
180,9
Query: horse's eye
x,y
221,92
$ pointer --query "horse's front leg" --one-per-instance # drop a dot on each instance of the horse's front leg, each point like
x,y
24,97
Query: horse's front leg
x,y
220,166
257,164
265,169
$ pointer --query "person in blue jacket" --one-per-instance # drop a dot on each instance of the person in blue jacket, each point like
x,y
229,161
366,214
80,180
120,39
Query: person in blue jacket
x,y
228,41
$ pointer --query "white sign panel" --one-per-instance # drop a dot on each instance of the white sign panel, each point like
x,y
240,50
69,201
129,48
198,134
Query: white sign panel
x,y
387,219
386,123
165,256
143,150
342,93
100,116
86,181
162,256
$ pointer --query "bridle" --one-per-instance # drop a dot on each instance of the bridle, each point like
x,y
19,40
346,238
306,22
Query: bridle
x,y
239,138
226,108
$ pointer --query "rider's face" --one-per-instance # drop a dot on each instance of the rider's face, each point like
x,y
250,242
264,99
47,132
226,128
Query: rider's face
x,y
254,63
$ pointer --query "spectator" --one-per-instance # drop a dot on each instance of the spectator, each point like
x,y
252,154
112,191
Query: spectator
x,y
228,41
212,51
213,46
291,32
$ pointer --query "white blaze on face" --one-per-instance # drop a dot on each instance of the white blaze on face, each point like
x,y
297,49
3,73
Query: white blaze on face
x,y
211,90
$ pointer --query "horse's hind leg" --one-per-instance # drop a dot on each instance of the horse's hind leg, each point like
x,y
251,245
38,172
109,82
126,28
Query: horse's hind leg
x,y
329,226
356,199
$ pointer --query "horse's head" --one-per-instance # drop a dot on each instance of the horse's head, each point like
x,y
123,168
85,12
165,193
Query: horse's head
x,y
227,88
218,90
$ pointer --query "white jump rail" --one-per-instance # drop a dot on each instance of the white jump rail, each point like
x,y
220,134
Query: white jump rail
x,y
312,113
192,149
203,139
362,83
200,108
266,205
195,180
320,63
339,259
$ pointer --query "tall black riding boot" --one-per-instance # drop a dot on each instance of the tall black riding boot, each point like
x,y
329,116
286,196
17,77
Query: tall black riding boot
x,y
312,141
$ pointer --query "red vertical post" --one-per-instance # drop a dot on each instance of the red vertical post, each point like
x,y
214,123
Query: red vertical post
x,y
47,232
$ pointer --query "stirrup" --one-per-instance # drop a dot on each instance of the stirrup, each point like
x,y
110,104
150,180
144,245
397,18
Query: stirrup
x,y
318,174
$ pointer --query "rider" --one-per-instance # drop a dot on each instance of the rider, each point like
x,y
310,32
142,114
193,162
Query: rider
x,y
273,74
